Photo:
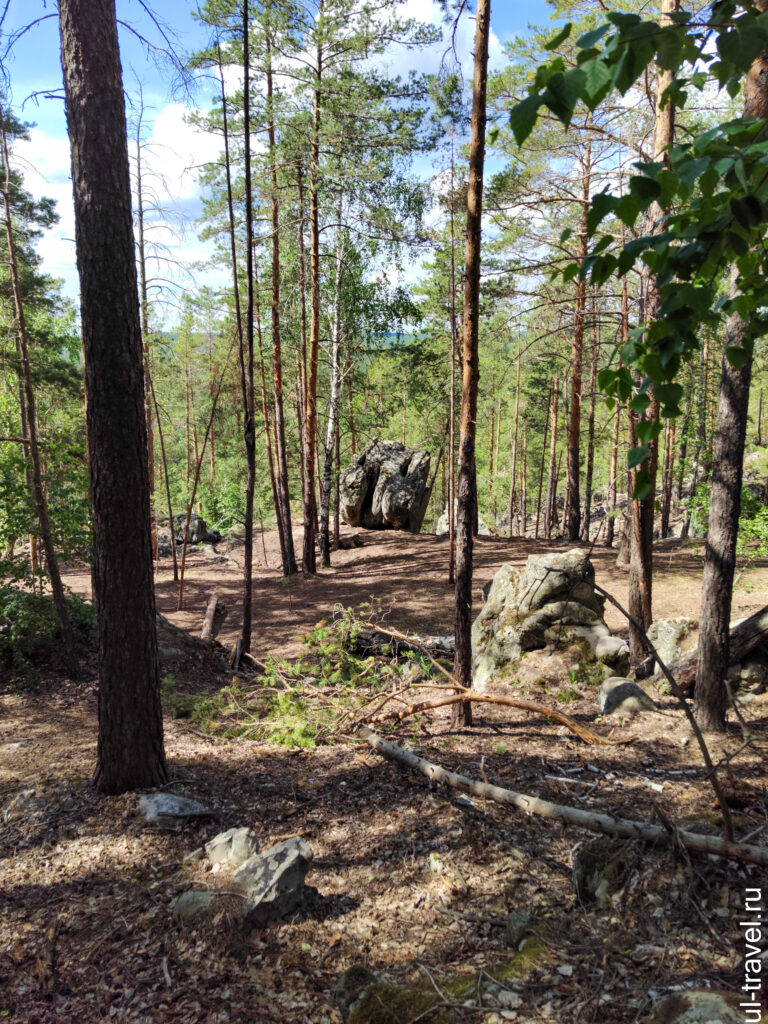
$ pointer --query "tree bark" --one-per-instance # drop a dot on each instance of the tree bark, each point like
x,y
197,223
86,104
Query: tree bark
x,y
467,497
310,399
283,509
333,404
130,744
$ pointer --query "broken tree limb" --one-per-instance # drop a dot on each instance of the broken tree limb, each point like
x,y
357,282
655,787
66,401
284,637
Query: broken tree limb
x,y
533,707
464,694
210,613
745,637
592,820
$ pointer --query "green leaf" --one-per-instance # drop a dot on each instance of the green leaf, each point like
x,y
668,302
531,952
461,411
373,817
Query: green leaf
x,y
597,82
523,116
645,189
565,235
590,38
737,356
642,485
640,403
637,455
562,35
602,204
563,93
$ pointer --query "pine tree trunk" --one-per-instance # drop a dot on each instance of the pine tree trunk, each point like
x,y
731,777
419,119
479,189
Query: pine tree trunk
x,y
283,508
541,468
452,396
310,399
333,405
590,468
572,500
512,494
710,696
667,478
467,497
552,474
130,745
246,351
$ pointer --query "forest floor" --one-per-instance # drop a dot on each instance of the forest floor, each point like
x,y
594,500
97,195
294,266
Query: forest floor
x,y
86,933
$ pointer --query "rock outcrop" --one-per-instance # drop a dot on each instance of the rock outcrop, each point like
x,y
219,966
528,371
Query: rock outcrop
x,y
550,601
386,488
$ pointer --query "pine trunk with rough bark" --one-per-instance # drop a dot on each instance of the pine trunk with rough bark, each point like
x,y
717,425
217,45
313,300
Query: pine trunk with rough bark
x,y
467,488
130,744
710,695
283,508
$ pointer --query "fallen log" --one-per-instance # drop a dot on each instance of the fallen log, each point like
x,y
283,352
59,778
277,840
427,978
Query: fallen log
x,y
745,638
592,820
210,613
531,706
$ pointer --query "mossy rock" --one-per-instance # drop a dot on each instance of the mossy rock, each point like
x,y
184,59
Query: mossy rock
x,y
382,1003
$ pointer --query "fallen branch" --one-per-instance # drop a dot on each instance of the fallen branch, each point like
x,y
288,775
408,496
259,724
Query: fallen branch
x,y
462,694
210,612
592,820
531,706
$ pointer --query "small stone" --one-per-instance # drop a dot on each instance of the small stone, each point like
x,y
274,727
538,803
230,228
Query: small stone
x,y
235,846
623,695
274,882
699,1006
190,904
168,810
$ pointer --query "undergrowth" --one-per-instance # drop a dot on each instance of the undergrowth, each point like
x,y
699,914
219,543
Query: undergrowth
x,y
303,702
29,627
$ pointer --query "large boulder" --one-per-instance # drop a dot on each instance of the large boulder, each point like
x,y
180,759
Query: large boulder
x,y
386,488
198,528
523,607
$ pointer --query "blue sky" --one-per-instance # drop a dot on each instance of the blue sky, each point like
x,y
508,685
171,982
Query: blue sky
x,y
34,74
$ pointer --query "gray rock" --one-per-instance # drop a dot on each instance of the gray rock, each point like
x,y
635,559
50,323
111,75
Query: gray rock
x,y
668,637
192,903
551,591
518,924
386,488
235,846
274,882
167,810
623,695
198,528
614,652
164,545
441,530
699,1006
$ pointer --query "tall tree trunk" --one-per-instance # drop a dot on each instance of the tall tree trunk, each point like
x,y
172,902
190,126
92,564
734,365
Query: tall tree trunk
x,y
470,365
641,534
144,310
523,517
452,396
541,469
29,408
283,509
245,349
572,500
551,502
130,745
512,494
333,404
590,468
701,438
667,478
710,696
166,477
310,398
614,475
